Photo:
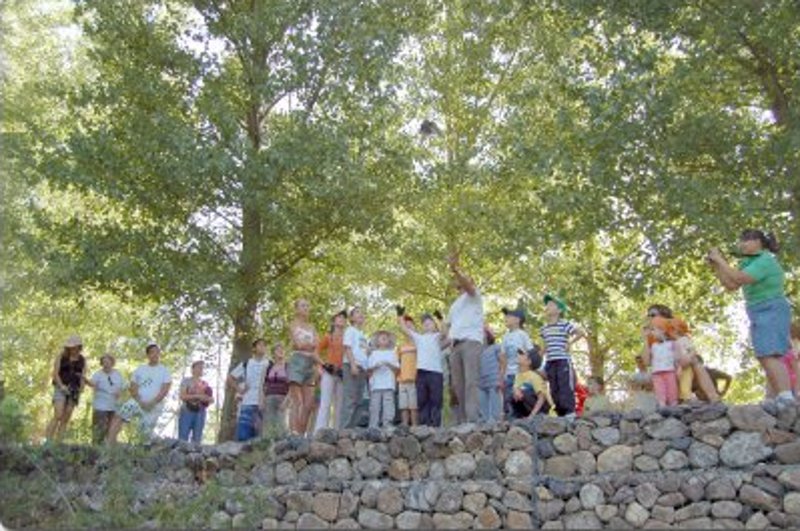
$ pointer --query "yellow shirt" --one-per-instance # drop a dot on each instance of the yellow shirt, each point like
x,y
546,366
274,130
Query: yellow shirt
x,y
408,363
535,380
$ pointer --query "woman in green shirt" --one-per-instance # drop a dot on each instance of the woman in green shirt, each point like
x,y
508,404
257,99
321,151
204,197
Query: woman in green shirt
x,y
761,278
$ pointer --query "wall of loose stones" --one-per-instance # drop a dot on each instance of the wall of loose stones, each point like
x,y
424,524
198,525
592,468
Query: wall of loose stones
x,y
699,468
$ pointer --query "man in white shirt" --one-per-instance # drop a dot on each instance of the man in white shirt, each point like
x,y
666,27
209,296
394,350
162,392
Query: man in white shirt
x,y
354,370
148,388
465,330
248,380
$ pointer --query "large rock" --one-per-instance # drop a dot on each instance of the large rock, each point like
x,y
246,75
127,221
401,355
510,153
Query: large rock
x,y
399,470
636,515
743,449
311,521
409,520
460,466
591,496
585,462
561,466
390,501
721,427
721,489
757,521
608,436
606,512
450,499
788,453
340,469
285,474
369,467
518,439
220,520
702,455
615,459
758,499
475,502
726,509
582,520
647,494
488,519
694,510
518,464
550,510
791,503
326,505
646,463
750,418
790,478
373,519
673,460
551,426
460,520
693,488
566,443
663,514
668,428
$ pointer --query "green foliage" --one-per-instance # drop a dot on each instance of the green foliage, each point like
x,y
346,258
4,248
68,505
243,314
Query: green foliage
x,y
14,422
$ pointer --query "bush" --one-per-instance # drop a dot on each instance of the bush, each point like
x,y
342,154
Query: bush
x,y
13,421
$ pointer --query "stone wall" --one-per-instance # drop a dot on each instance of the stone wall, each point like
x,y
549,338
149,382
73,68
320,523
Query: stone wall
x,y
708,467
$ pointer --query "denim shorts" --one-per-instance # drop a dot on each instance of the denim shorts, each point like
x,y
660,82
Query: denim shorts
x,y
769,327
300,369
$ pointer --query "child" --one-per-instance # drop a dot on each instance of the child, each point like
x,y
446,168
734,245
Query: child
x,y
556,334
492,379
597,400
407,381
529,395
693,377
516,338
430,366
381,367
662,360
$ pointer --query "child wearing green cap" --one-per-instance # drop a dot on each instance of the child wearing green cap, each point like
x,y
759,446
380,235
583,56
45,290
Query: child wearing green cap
x,y
558,335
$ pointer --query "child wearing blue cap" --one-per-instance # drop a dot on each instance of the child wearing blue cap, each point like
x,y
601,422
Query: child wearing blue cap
x,y
515,339
558,335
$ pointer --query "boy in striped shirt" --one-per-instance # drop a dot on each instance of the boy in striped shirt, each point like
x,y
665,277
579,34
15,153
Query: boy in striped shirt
x,y
558,336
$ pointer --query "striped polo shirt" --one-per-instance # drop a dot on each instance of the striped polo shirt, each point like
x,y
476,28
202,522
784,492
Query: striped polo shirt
x,y
556,339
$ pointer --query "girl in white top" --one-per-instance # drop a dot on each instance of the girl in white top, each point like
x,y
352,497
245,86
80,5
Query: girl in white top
x,y
661,354
302,368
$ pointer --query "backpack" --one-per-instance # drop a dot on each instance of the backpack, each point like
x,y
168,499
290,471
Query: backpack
x,y
270,364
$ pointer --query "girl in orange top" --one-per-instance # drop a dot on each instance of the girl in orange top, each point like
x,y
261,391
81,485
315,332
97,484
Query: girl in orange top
x,y
331,350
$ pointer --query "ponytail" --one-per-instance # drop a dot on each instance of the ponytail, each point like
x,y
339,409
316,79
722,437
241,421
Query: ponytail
x,y
768,240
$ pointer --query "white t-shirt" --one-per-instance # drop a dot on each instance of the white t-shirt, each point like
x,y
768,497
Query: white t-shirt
x,y
512,342
663,357
429,352
383,378
466,317
149,379
256,371
357,341
106,385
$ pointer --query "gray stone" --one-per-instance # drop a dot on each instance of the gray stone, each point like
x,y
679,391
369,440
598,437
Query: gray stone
x,y
743,449
460,520
518,439
673,460
340,469
672,499
460,466
769,485
515,501
488,519
582,520
788,453
655,447
668,428
300,501
726,523
606,436
551,426
545,448
573,505
311,521
790,478
624,494
693,488
369,467
606,512
703,455
681,443
409,520
647,494
636,515
646,463
519,463
615,459
696,523
285,473
585,462
694,510
550,510
373,519
726,509
450,499
220,520
750,418
475,502
348,503
706,412
399,470
566,443
390,501
326,505
721,489
791,503
757,521
758,499
591,496
561,466
663,514
347,523
269,523
313,474
486,469
720,427
369,494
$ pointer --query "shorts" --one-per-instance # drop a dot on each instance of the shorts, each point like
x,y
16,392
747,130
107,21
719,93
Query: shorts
x,y
407,395
59,395
300,369
131,410
769,327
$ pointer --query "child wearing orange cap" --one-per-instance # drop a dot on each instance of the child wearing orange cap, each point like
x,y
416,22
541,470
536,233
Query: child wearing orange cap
x,y
661,354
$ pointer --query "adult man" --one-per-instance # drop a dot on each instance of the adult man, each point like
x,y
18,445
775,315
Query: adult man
x,y
248,380
149,386
465,330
